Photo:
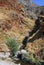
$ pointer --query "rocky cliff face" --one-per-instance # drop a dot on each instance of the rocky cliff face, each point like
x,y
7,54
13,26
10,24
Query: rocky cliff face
x,y
31,8
15,22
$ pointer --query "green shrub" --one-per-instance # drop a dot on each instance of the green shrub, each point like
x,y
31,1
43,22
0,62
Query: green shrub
x,y
13,45
32,60
37,62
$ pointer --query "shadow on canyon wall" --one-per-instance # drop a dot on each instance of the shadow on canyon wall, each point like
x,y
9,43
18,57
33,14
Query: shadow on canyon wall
x,y
36,33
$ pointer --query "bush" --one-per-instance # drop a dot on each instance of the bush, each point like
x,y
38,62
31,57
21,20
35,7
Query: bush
x,y
37,62
13,45
32,60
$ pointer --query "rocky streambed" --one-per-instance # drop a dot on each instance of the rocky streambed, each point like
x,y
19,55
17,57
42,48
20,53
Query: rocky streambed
x,y
7,61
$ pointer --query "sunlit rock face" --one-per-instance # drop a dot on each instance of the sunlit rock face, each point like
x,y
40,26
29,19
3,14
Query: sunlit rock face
x,y
30,7
25,2
4,54
8,62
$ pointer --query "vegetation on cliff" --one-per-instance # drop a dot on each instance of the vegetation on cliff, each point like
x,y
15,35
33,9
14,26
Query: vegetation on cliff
x,y
13,46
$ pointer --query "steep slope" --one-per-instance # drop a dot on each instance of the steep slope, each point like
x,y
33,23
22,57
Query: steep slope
x,y
36,48
15,23
30,7
13,20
